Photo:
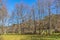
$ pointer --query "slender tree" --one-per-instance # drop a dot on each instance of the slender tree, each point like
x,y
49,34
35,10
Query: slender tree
x,y
3,13
33,14
22,19
39,15
49,13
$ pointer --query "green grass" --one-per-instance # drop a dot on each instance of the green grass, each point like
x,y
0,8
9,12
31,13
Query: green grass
x,y
29,37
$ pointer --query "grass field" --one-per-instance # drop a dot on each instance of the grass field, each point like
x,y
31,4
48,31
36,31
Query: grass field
x,y
28,37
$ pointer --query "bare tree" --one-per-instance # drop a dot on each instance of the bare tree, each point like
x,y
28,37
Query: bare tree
x,y
21,16
39,15
3,13
49,13
57,7
33,15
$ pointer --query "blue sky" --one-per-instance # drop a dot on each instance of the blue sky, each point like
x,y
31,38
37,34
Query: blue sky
x,y
11,3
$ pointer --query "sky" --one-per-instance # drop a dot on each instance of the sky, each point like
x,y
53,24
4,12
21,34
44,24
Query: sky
x,y
10,4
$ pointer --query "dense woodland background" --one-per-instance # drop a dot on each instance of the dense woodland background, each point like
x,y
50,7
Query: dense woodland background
x,y
43,17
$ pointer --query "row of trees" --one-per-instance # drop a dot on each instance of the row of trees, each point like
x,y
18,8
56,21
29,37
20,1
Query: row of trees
x,y
32,17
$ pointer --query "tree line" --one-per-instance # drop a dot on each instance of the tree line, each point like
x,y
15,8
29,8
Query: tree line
x,y
41,17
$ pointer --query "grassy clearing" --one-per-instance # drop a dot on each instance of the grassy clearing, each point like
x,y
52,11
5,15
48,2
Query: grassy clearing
x,y
28,37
